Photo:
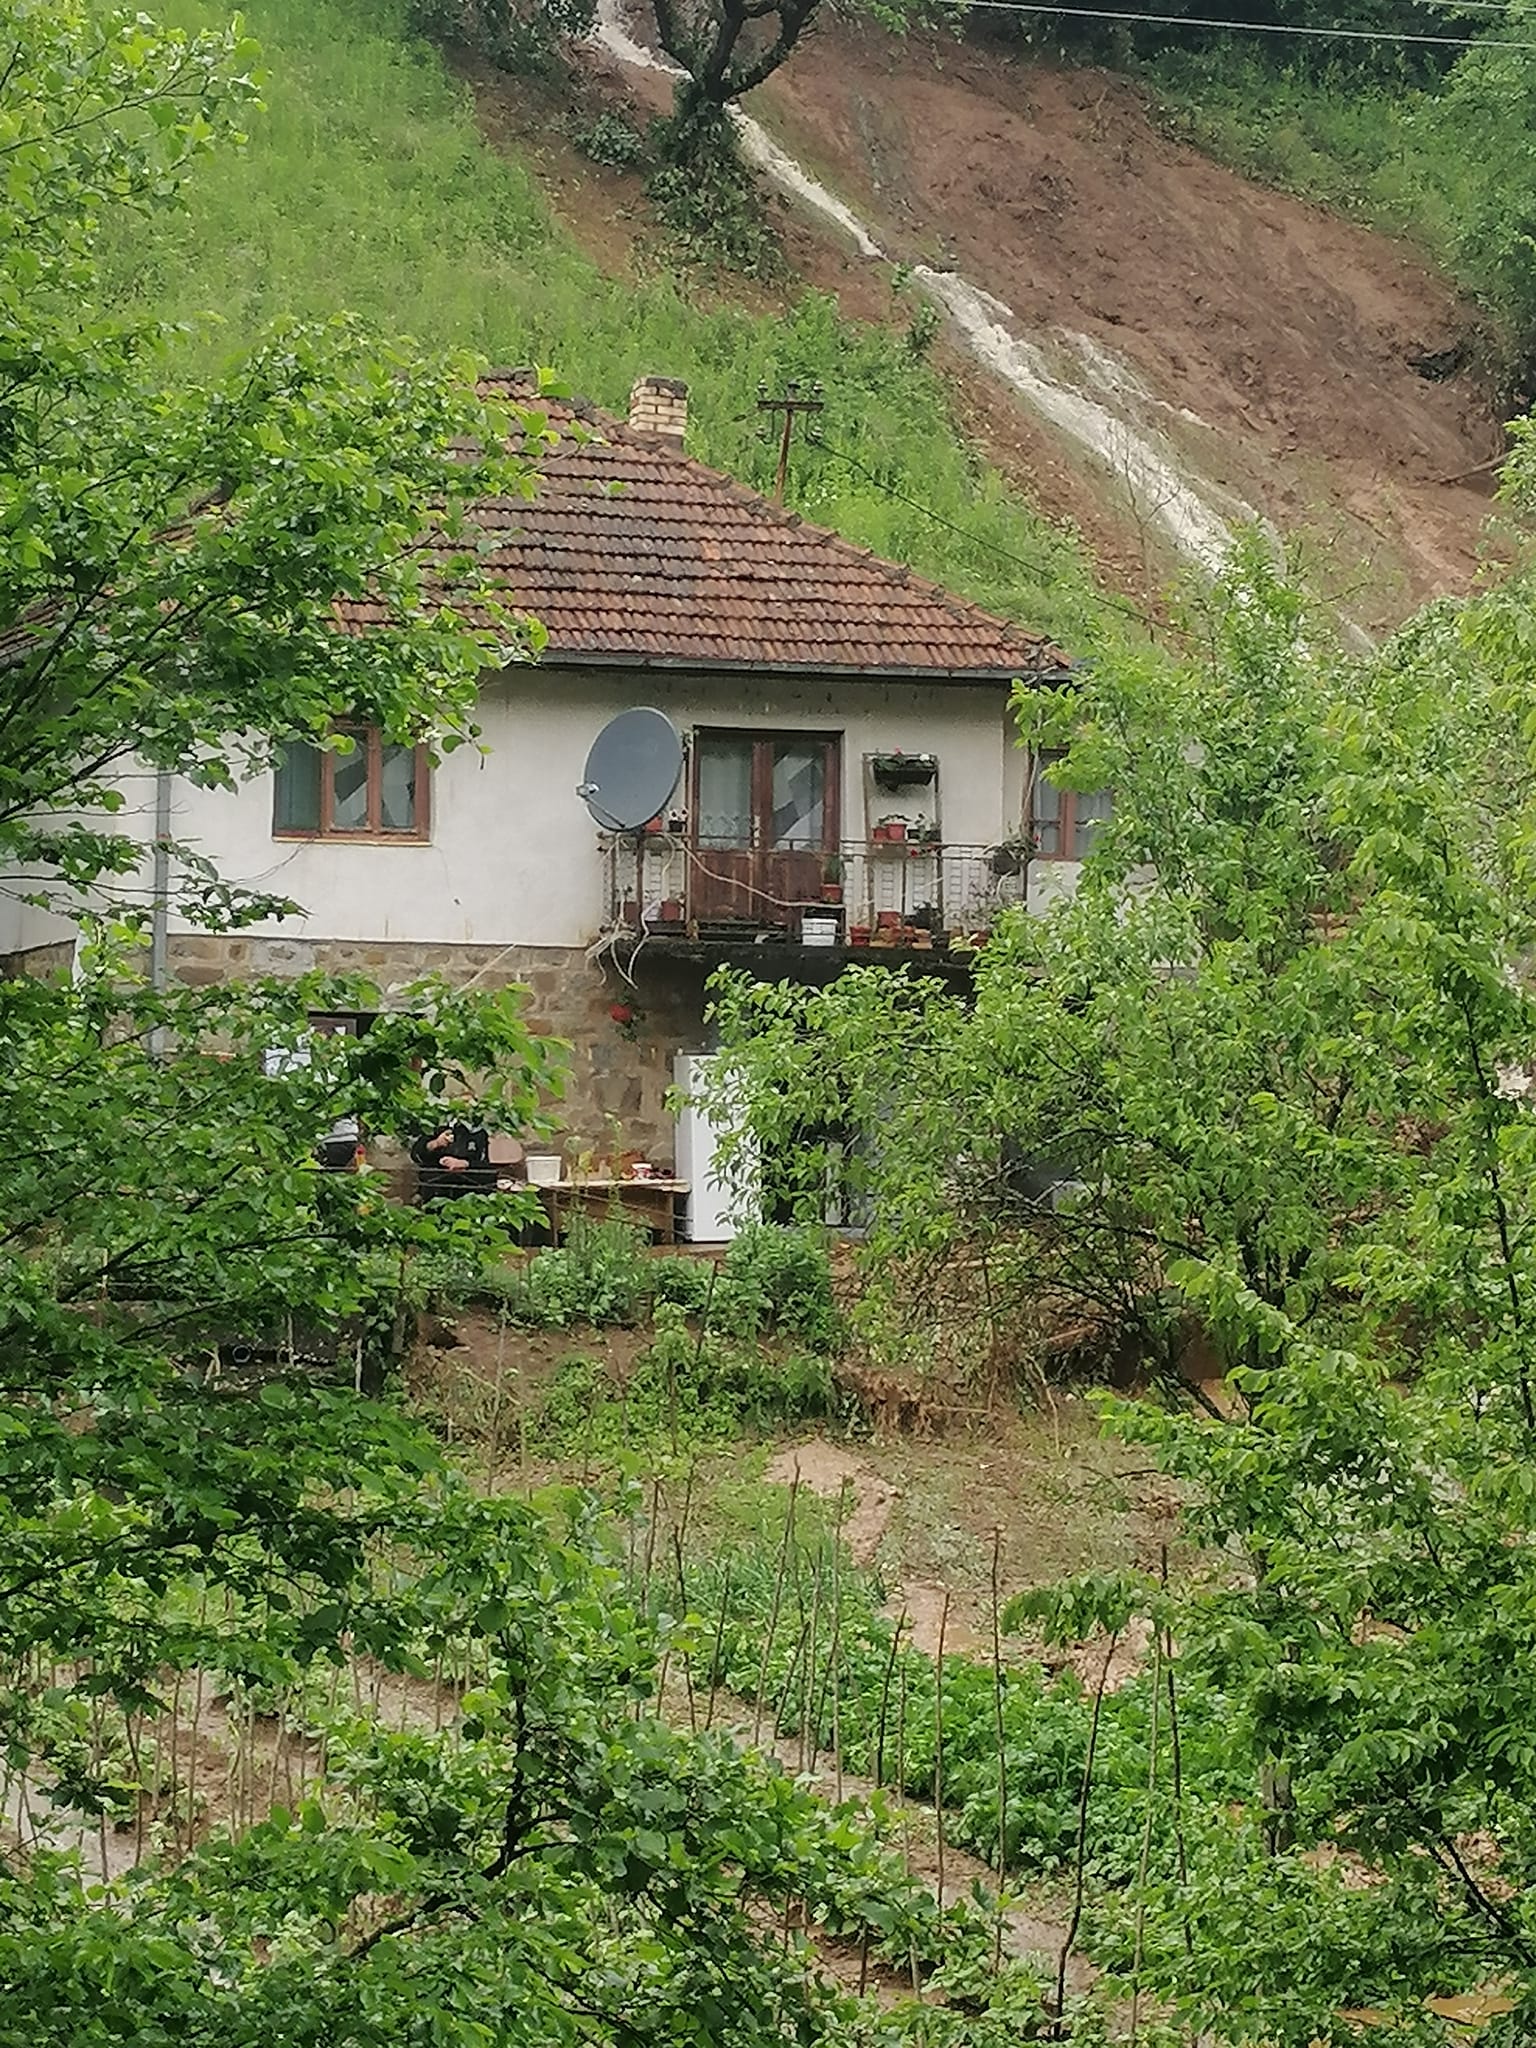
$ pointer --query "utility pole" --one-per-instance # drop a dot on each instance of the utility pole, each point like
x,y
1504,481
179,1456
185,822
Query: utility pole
x,y
791,405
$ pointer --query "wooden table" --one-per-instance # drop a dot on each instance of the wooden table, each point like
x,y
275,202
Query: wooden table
x,y
650,1203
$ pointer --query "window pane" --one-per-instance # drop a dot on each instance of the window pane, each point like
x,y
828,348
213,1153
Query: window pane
x,y
349,787
397,789
799,795
725,792
1045,811
296,791
1093,806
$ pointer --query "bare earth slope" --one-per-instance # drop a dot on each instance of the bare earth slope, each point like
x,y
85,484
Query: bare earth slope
x,y
1317,370
1158,347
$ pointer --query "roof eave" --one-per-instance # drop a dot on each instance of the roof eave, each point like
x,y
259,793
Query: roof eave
x,y
1023,671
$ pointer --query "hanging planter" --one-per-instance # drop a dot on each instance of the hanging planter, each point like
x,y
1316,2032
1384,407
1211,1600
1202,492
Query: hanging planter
x,y
903,771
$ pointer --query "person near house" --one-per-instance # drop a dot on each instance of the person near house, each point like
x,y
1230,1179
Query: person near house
x,y
453,1160
340,1150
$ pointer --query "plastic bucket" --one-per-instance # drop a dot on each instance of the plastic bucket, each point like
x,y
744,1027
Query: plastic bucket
x,y
543,1169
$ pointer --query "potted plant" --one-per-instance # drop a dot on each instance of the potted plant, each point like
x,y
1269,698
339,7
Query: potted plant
x,y
892,827
832,879
858,935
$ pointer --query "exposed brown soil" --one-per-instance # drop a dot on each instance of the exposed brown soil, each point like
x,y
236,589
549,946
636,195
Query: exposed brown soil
x,y
1048,1489
1315,349
1319,371
833,1472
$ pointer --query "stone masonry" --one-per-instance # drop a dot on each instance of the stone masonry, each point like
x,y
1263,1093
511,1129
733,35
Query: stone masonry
x,y
617,1068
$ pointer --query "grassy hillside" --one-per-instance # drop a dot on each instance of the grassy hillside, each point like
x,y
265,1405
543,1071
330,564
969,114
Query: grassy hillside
x,y
367,186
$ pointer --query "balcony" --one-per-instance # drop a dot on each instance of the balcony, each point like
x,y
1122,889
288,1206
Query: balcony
x,y
911,894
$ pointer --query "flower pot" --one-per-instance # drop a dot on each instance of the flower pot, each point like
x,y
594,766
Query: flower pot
x,y
831,892
897,830
888,920
631,911
671,911
858,935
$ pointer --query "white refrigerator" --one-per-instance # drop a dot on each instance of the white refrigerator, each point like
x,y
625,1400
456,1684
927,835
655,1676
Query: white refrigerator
x,y
712,1212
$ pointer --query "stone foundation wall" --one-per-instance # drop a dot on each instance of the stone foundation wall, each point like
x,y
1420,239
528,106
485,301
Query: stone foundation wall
x,y
41,961
620,1070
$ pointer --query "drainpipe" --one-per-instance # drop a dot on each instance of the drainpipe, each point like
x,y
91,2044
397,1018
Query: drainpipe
x,y
160,902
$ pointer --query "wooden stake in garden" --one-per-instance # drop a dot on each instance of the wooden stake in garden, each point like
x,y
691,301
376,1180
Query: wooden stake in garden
x,y
1146,1833
1082,1833
773,1611
938,1742
1002,1749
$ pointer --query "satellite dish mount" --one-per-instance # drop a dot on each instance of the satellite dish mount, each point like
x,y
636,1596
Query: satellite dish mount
x,y
632,770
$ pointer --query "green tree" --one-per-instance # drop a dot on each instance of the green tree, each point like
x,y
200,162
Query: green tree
x,y
1255,1104
196,1499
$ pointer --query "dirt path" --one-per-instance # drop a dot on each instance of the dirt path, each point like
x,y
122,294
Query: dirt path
x,y
903,1530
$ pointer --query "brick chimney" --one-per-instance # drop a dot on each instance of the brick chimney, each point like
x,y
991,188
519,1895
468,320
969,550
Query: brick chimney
x,y
658,408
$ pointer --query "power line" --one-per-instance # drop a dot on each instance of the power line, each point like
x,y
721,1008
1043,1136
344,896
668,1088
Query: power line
x,y
1262,28
979,540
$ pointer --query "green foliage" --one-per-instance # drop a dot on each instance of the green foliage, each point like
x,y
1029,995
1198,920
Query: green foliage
x,y
710,201
608,139
366,183
780,1279
534,1859
531,36
1279,1040
688,1386
173,555
559,1865
770,1281
599,1275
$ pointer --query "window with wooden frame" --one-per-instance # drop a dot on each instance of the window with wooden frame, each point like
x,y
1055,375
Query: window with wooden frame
x,y
375,790
766,792
1062,822
765,819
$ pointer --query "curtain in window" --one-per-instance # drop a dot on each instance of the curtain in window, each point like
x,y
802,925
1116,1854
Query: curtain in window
x,y
296,803
725,792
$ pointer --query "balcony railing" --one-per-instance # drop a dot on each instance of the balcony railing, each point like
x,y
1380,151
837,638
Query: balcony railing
x,y
874,892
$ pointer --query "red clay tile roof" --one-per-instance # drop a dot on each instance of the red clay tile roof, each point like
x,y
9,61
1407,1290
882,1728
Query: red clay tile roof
x,y
632,553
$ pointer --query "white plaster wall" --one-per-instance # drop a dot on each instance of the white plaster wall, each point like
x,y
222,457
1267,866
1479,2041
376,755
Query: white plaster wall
x,y
513,856
23,926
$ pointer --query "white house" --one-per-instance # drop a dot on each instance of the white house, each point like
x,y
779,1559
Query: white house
x,y
851,778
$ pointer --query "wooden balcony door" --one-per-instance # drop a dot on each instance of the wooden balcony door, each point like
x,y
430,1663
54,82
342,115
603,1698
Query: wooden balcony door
x,y
765,823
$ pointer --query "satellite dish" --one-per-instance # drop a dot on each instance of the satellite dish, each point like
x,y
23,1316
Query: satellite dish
x,y
632,770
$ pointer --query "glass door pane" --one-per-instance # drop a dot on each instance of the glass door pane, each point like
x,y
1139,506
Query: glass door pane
x,y
397,789
349,787
725,790
797,818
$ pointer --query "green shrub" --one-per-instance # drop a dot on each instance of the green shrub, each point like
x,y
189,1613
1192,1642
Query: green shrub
x,y
775,1278
688,1386
609,140
599,1275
